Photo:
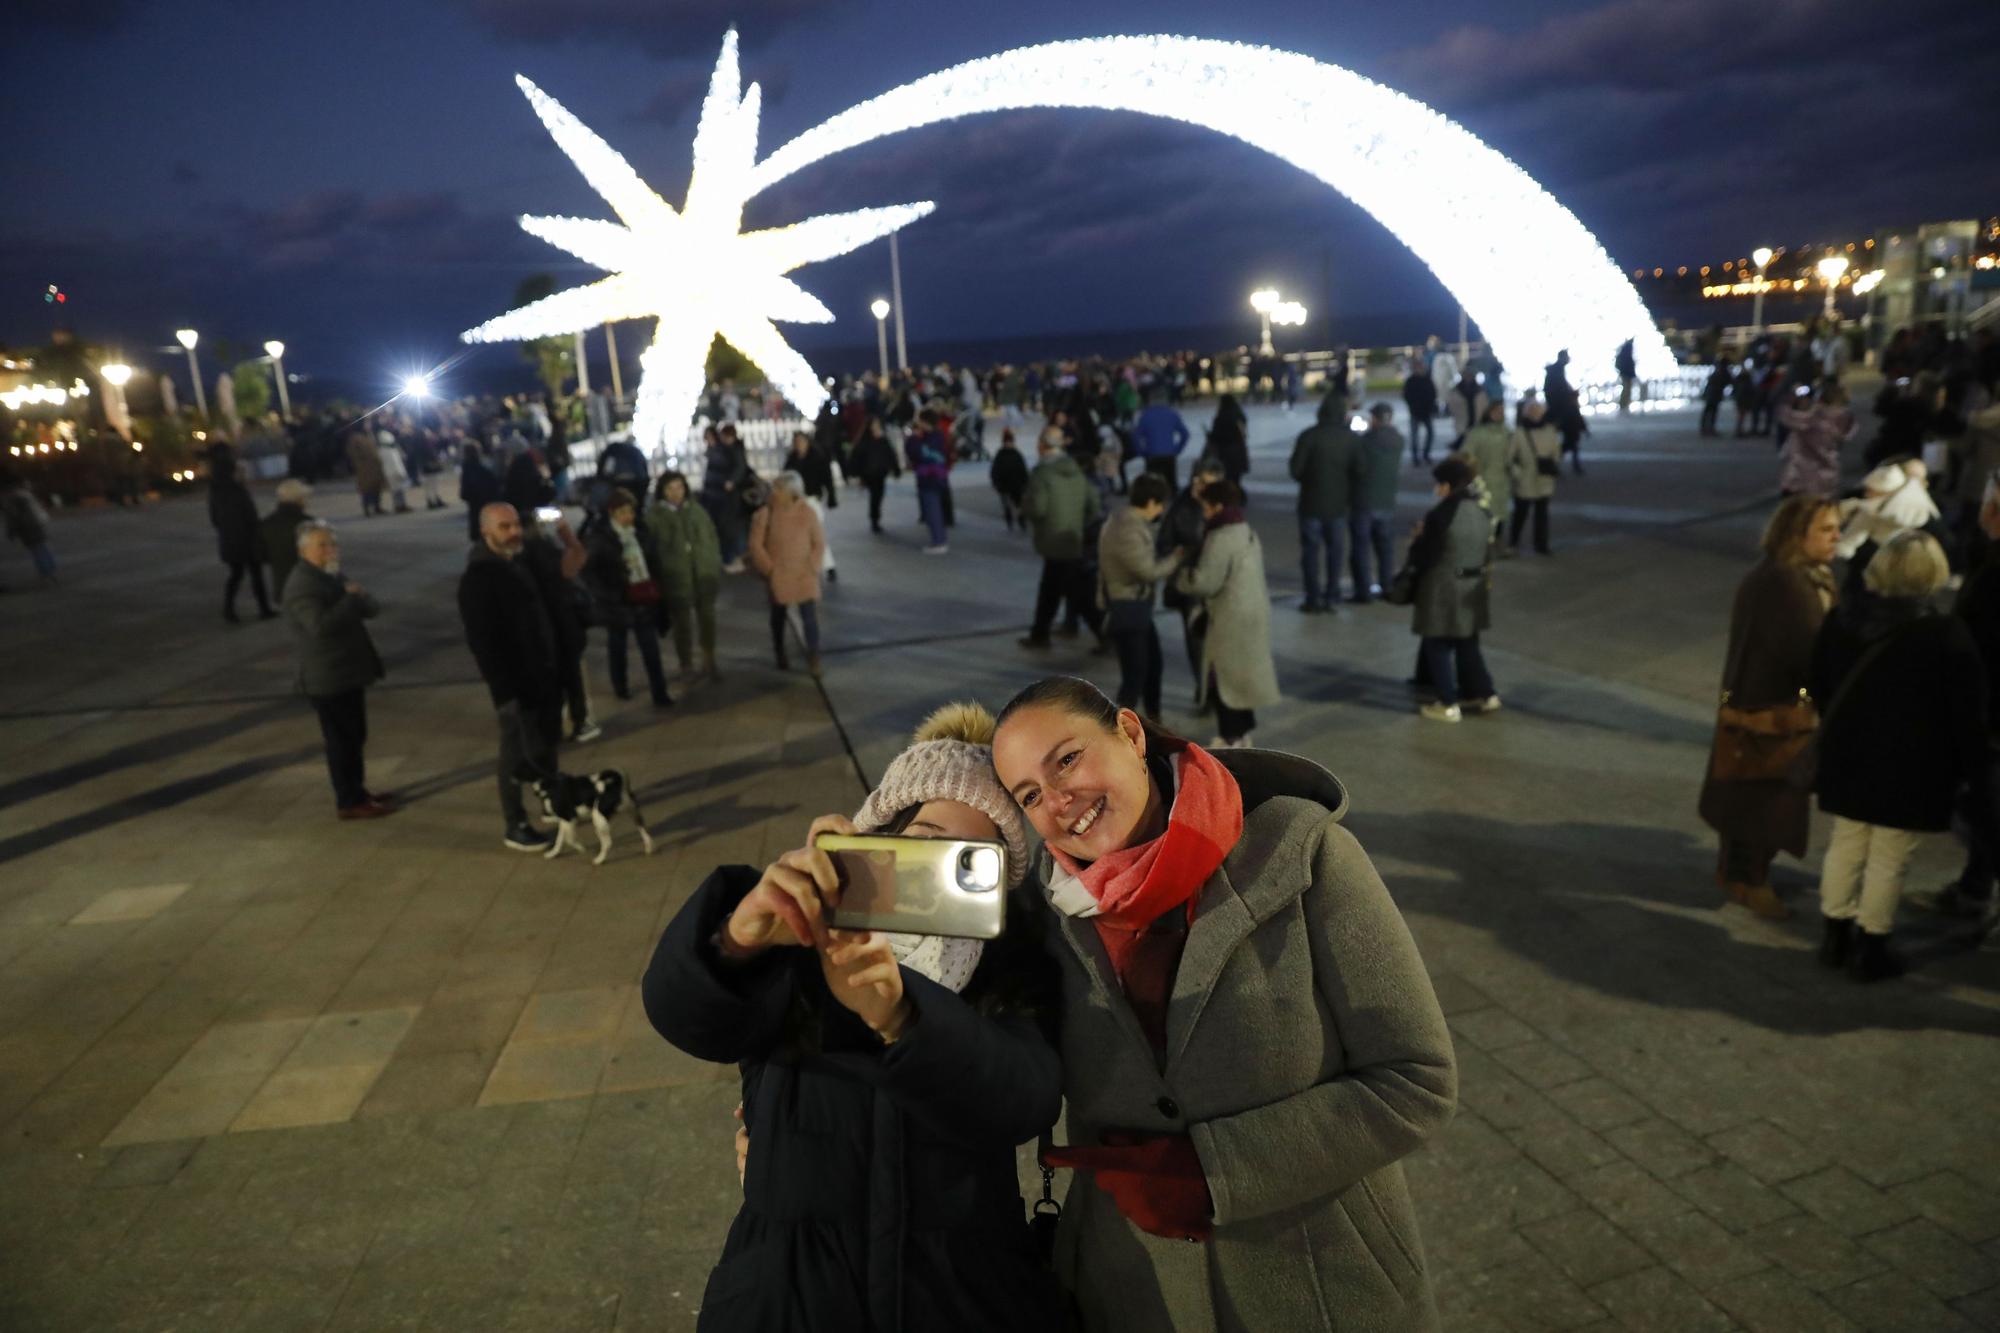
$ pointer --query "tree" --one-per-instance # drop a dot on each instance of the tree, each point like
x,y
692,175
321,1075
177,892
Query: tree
x,y
726,363
253,391
554,359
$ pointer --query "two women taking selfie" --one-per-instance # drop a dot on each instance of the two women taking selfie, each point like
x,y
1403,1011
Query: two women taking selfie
x,y
1200,962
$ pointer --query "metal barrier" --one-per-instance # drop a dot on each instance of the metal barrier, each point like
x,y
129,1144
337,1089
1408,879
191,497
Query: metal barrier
x,y
767,441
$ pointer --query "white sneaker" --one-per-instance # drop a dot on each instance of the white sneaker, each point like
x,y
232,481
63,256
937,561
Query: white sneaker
x,y
1490,704
1441,712
589,731
936,550
733,567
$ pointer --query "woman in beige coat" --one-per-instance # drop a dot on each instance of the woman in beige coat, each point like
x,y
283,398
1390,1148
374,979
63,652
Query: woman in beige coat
x,y
1250,1042
1237,673
786,547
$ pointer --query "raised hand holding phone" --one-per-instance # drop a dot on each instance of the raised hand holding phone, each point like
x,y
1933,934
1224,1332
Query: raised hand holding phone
x,y
864,977
789,904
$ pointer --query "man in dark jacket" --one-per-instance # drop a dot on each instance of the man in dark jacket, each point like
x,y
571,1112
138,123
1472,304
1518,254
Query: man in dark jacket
x,y
337,662
238,539
1420,395
509,629
1326,462
1381,454
280,530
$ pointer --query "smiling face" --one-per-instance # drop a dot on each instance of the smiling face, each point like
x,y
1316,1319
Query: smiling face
x,y
1086,790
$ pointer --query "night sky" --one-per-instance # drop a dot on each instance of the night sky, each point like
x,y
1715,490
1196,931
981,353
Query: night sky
x,y
346,176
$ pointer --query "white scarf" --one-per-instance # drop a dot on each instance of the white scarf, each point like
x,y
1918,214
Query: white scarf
x,y
948,962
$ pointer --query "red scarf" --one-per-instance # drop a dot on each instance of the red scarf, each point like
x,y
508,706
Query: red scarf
x,y
1137,886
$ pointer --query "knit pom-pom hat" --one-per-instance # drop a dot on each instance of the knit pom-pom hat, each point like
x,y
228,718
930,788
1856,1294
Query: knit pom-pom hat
x,y
950,759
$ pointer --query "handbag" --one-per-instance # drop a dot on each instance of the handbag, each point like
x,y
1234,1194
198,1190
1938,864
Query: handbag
x,y
644,592
1548,467
1402,589
1127,615
1770,744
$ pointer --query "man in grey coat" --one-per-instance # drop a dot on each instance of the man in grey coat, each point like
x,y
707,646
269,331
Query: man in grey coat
x,y
1326,463
337,662
1062,504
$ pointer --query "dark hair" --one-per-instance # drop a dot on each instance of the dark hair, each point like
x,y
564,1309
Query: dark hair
x,y
1225,493
1210,466
1149,488
620,498
1080,699
670,475
1455,472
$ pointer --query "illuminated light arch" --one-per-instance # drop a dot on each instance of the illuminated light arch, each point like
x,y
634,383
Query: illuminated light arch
x,y
1521,264
1525,269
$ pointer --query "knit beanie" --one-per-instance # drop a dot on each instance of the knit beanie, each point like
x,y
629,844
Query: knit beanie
x,y
950,759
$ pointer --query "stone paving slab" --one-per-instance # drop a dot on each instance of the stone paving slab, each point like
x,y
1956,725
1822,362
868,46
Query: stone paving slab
x,y
262,1070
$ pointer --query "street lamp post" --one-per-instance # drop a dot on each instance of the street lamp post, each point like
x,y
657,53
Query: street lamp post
x,y
276,351
1830,270
880,309
187,339
116,376
1264,300
1763,254
896,295
611,350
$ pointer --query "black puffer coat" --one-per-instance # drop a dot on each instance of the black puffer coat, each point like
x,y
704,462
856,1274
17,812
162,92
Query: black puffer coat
x,y
1896,747
234,515
881,1191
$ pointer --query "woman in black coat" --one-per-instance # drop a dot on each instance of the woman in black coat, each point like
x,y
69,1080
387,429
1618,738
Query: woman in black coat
x,y
874,461
234,515
623,575
1903,728
886,1079
1229,439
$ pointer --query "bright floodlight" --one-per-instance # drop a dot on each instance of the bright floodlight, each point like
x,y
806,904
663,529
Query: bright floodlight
x,y
1763,254
1264,300
1868,282
116,375
1831,268
187,338
274,349
417,386
697,269
879,308
1482,225
1289,313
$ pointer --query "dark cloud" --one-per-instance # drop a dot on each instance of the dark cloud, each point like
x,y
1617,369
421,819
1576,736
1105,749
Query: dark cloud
x,y
671,29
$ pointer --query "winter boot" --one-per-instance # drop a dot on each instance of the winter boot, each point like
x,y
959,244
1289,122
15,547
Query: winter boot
x,y
1837,944
1873,959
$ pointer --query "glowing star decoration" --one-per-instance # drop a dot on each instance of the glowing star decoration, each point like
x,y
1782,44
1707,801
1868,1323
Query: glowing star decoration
x,y
1524,268
696,269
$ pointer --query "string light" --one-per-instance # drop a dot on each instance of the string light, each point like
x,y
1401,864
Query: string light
x,y
1487,230
695,269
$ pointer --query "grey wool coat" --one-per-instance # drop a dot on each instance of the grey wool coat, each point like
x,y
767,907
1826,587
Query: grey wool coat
x,y
1306,1056
1228,580
335,652
1451,560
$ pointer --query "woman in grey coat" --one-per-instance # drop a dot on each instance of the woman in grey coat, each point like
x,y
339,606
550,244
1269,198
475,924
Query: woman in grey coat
x,y
1237,673
1451,560
1250,1042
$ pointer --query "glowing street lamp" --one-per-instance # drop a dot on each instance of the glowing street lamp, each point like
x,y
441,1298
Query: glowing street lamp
x,y
187,339
1264,300
417,386
1830,270
276,351
116,376
1763,254
880,309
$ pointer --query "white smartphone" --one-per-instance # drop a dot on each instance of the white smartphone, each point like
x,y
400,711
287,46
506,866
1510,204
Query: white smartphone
x,y
919,886
548,514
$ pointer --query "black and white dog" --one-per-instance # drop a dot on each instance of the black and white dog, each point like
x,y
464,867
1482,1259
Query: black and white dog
x,y
598,796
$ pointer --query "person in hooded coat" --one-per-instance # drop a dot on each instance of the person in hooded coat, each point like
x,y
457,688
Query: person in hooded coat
x,y
886,1078
1250,1041
366,461
1238,675
1451,560
1817,427
1229,438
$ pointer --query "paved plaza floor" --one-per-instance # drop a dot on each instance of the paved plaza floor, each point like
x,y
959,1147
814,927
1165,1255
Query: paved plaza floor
x,y
263,1070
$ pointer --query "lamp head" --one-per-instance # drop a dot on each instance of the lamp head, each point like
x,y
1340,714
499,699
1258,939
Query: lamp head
x,y
1763,254
1832,267
417,386
274,349
1289,313
879,308
187,338
116,375
1264,300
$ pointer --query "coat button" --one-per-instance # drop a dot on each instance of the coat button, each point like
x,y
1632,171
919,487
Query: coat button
x,y
1169,1108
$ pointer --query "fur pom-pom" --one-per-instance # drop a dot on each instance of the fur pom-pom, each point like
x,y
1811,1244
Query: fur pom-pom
x,y
967,722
